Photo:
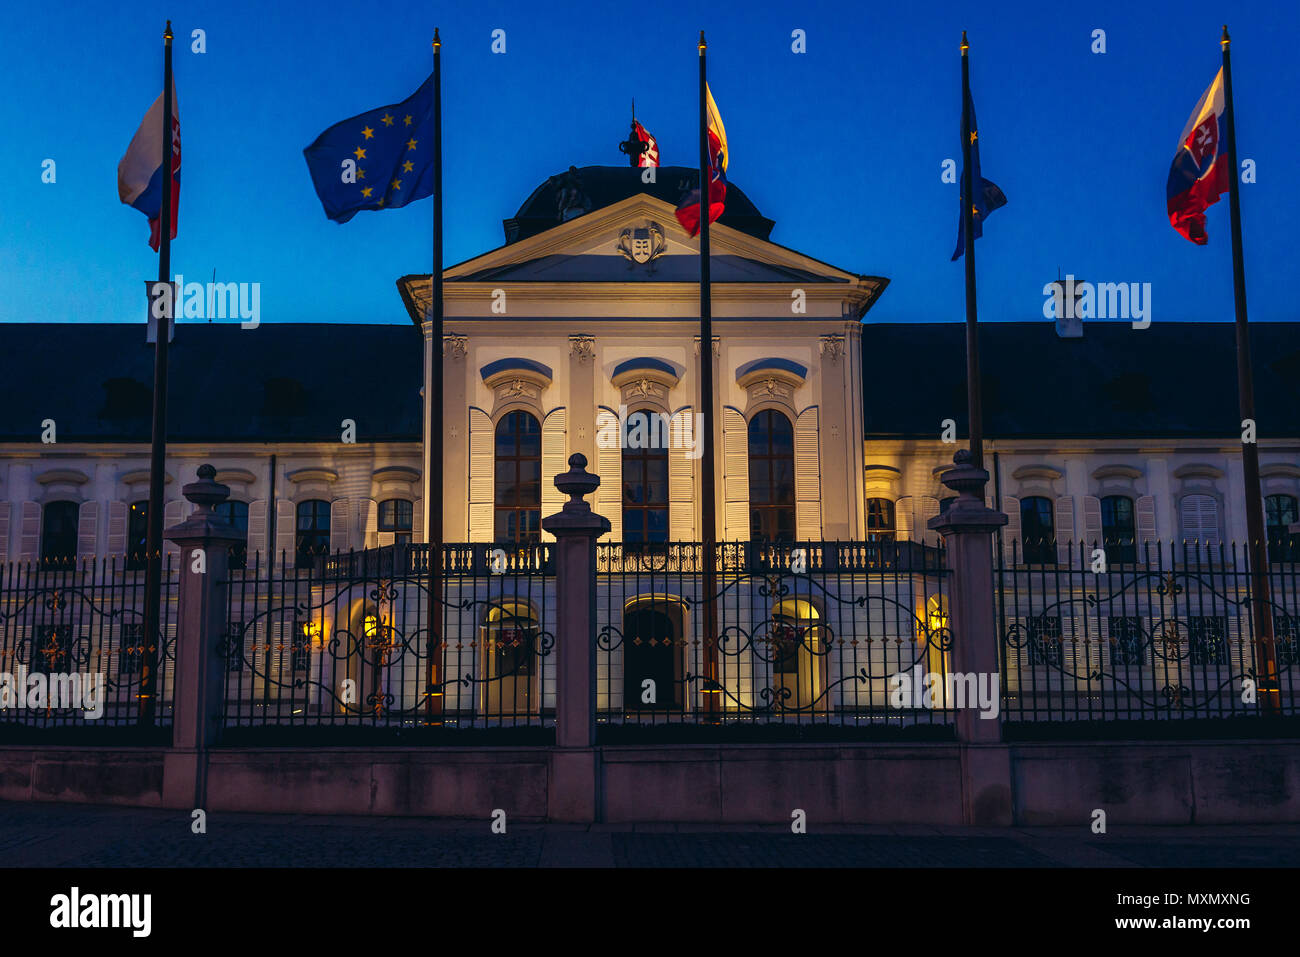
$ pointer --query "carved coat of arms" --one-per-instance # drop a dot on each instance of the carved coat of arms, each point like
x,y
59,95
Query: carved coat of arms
x,y
642,244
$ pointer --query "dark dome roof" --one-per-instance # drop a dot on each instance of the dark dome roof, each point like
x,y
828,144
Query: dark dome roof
x,y
602,186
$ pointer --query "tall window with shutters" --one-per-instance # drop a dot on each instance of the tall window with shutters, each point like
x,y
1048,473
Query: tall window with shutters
x,y
312,532
518,496
59,533
771,477
1118,529
1037,531
645,487
1281,512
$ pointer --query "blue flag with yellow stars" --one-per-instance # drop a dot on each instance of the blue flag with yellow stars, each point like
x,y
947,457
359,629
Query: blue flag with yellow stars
x,y
987,195
377,160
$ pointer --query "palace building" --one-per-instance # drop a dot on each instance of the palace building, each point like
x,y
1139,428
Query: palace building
x,y
584,325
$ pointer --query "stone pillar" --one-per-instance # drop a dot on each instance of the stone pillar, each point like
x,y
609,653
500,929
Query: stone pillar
x,y
200,670
574,777
968,528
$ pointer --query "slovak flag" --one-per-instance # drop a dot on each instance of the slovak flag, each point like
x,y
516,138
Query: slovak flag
x,y
140,173
650,156
1199,174
688,210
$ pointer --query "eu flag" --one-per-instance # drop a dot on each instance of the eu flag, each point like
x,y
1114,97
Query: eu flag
x,y
987,195
391,154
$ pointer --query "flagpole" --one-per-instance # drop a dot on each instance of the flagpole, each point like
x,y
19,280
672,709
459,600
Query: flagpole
x,y
708,503
973,409
1257,545
153,636
433,505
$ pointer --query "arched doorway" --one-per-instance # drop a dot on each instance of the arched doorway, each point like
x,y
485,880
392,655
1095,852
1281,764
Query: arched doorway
x,y
652,659
798,656
510,661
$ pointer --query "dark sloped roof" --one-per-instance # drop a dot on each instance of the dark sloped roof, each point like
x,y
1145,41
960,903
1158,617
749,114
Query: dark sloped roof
x,y
1172,379
275,383
607,185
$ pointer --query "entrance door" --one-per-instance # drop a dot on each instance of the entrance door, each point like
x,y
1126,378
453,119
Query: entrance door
x,y
649,653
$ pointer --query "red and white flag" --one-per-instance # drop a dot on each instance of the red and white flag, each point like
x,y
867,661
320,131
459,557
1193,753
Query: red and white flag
x,y
650,155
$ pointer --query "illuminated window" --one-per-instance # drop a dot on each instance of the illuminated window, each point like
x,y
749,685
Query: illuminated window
x,y
397,515
771,477
1280,511
880,520
645,484
518,479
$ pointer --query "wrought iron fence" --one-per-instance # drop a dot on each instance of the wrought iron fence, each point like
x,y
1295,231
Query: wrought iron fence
x,y
808,641
74,654
1165,635
342,650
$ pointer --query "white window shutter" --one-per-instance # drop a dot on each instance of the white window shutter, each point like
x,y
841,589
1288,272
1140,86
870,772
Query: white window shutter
x,y
87,530
257,531
1146,522
681,492
340,525
1065,544
29,538
4,533
418,531
807,478
482,478
904,519
928,508
1011,533
173,514
1092,521
554,462
372,524
609,466
735,472
286,531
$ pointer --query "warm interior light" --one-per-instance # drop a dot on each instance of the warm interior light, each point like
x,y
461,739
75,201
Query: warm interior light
x,y
370,626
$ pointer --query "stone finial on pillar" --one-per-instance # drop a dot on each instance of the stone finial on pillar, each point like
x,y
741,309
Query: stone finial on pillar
x,y
968,527
576,527
205,539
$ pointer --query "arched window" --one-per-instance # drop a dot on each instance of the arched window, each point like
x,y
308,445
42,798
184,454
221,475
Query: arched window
x,y
1118,532
771,477
137,536
645,482
880,520
397,516
236,513
797,655
59,532
1199,515
313,532
518,479
1037,532
1281,511
510,691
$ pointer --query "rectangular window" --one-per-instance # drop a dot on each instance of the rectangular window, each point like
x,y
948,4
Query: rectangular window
x,y
397,515
1127,647
1045,646
137,536
1207,639
300,650
130,649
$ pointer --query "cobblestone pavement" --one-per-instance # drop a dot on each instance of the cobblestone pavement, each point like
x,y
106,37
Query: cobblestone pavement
x,y
62,835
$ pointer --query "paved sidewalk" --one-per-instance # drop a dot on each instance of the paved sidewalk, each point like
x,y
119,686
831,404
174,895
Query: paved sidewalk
x,y
63,835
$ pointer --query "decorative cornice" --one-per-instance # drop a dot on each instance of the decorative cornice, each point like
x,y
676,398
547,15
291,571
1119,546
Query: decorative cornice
x,y
1116,471
1198,470
139,477
396,473
62,477
717,346
1279,470
313,475
1044,472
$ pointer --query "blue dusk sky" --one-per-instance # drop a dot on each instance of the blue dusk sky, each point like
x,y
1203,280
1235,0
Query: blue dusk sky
x,y
842,146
